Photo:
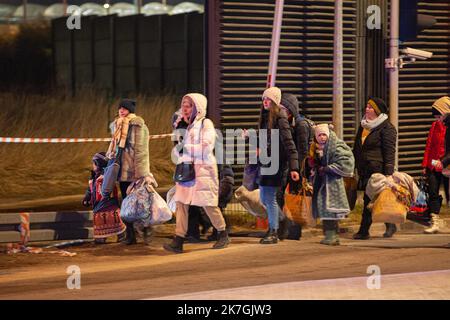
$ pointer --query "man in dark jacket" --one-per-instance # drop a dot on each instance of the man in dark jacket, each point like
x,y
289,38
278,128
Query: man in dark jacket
x,y
302,133
374,150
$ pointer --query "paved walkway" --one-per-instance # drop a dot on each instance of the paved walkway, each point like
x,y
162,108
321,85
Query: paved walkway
x,y
415,286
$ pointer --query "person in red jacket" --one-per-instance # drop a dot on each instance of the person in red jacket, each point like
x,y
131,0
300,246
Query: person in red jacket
x,y
431,164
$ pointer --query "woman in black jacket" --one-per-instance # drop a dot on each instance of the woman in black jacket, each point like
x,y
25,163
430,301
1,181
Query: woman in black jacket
x,y
374,150
272,118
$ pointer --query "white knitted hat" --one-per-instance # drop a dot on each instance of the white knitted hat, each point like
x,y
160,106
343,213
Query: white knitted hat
x,y
274,94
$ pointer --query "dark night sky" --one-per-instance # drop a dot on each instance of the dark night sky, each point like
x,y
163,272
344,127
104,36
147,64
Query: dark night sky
x,y
78,2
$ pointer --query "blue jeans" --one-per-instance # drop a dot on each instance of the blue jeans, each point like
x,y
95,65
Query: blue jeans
x,y
269,200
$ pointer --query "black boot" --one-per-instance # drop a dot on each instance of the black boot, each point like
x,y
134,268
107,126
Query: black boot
x,y
270,238
283,231
361,236
390,230
146,234
213,235
131,235
222,240
176,245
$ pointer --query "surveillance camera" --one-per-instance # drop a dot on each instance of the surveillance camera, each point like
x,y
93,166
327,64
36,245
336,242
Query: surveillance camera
x,y
416,54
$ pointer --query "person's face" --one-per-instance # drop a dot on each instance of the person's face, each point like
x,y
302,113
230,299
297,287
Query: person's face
x,y
370,112
439,117
186,108
322,138
267,103
123,112
94,166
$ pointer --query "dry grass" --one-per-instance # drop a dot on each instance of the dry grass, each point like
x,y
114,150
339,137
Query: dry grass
x,y
35,171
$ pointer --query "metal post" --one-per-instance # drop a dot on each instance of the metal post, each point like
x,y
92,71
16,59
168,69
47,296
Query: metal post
x,y
138,4
25,3
394,72
275,45
64,2
338,100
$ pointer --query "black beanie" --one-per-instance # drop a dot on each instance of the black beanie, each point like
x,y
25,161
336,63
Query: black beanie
x,y
128,104
379,104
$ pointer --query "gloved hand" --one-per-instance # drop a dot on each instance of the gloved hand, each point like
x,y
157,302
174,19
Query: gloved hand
x,y
151,180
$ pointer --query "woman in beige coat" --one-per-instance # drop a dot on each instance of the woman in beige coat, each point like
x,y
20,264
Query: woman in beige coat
x,y
130,144
203,191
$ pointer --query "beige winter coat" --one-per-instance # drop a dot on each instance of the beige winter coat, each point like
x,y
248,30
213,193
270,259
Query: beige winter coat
x,y
199,147
135,156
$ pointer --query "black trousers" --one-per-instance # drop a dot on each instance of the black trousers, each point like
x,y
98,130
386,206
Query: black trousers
x,y
366,221
123,188
194,222
434,183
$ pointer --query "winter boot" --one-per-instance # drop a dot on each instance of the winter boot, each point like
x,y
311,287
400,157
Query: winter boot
x,y
176,245
390,230
434,228
331,238
213,235
222,240
146,234
330,230
270,238
283,231
361,236
131,235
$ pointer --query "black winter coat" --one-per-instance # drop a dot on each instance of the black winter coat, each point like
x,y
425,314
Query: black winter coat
x,y
377,154
288,155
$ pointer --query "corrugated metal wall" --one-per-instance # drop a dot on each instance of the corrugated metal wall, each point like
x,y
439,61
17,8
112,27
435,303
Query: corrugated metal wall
x,y
305,65
422,83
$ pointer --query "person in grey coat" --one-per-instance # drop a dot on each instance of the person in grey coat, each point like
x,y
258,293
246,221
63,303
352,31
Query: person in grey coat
x,y
130,144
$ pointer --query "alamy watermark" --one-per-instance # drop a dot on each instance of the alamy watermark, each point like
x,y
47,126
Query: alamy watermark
x,y
73,22
374,280
374,19
74,279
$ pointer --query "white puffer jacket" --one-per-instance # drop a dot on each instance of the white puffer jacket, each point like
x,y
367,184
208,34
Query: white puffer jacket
x,y
199,147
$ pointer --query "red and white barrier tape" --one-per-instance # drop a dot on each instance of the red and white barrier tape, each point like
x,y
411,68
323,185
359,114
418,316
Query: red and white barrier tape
x,y
69,140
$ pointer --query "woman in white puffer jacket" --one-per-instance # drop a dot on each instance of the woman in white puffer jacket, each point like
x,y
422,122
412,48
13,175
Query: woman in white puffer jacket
x,y
203,191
